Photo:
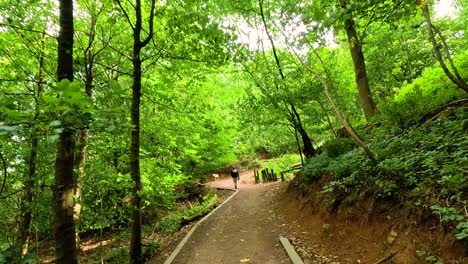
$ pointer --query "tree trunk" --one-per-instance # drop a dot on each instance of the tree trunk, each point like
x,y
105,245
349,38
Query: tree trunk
x,y
359,63
138,45
64,227
298,146
455,79
135,243
31,174
28,197
308,150
330,124
135,247
83,137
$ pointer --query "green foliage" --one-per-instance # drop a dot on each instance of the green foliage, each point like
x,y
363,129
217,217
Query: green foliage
x,y
118,256
200,112
447,214
106,204
150,249
418,98
250,164
429,257
280,164
336,147
462,230
174,222
317,167
419,166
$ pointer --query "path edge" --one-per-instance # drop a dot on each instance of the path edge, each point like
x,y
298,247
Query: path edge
x,y
189,234
295,259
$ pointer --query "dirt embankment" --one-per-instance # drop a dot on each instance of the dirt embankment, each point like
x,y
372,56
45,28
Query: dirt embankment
x,y
327,232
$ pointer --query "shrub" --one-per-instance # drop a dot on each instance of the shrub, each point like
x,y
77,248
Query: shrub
x,y
351,162
337,147
119,255
316,167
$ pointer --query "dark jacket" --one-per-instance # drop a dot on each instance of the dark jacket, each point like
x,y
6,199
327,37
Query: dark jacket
x,y
234,173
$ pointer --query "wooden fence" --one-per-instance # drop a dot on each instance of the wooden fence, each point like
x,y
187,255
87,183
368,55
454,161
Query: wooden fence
x,y
265,175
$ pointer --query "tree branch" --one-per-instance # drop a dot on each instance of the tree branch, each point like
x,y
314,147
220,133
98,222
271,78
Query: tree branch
x,y
151,25
126,15
447,51
5,173
26,29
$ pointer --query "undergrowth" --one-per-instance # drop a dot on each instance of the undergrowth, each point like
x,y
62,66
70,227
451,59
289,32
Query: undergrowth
x,y
175,221
422,168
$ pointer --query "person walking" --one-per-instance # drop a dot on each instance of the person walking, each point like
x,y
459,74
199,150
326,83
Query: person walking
x,y
235,176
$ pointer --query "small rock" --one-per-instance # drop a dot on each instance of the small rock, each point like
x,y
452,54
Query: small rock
x,y
392,236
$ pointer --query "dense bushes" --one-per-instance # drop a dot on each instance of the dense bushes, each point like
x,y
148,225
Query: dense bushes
x,y
421,96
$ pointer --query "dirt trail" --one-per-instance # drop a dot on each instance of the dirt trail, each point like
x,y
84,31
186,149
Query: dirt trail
x,y
245,228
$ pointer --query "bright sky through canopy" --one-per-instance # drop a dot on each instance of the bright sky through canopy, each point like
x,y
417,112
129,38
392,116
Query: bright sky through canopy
x,y
254,38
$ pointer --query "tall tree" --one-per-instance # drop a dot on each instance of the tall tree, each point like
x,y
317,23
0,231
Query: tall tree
x,y
362,82
138,45
64,227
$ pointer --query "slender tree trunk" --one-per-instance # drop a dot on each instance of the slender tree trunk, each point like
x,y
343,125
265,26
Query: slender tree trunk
x,y
138,45
298,145
64,227
308,150
28,197
330,124
83,137
359,63
343,122
135,247
455,79
341,104
31,174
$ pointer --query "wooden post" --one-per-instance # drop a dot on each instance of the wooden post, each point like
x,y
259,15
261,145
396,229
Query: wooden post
x,y
282,176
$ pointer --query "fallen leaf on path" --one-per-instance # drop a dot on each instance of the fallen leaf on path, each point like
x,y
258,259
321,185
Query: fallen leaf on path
x,y
244,260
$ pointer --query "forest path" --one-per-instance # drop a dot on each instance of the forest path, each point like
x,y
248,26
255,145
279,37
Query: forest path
x,y
245,229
